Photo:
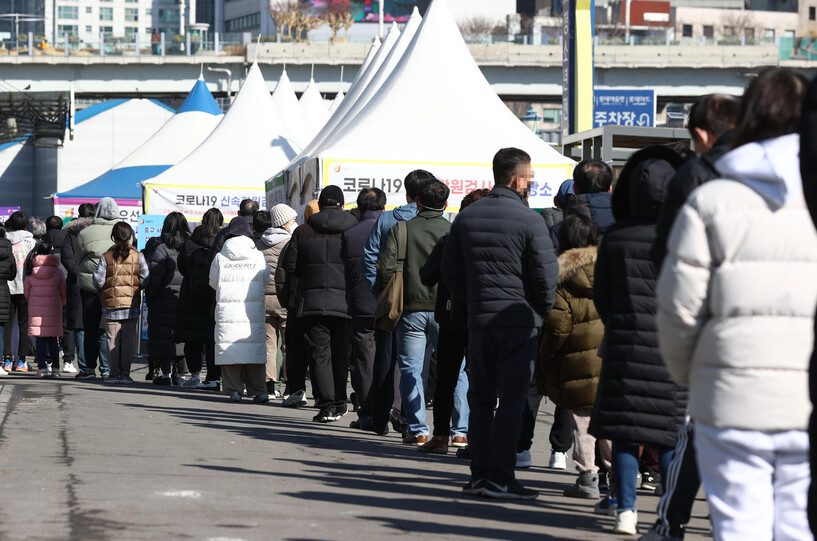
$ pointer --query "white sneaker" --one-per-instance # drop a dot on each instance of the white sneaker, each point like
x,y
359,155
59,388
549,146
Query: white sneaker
x,y
192,382
558,461
298,398
3,372
69,368
626,522
523,459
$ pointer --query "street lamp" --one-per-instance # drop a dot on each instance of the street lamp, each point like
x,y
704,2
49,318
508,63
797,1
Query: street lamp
x,y
531,120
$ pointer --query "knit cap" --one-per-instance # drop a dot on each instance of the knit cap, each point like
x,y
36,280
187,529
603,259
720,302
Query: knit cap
x,y
331,197
282,214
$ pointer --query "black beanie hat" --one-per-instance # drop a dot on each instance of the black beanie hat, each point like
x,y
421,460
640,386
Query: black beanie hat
x,y
331,197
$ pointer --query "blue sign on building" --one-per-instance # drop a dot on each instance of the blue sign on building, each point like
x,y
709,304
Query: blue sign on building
x,y
624,107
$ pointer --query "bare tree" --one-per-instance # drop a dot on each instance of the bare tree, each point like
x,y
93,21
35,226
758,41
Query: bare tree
x,y
284,14
739,23
337,14
477,26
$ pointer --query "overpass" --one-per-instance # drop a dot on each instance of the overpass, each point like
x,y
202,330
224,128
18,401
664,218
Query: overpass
x,y
516,72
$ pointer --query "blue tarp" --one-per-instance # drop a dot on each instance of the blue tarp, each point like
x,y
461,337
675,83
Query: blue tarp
x,y
123,183
200,99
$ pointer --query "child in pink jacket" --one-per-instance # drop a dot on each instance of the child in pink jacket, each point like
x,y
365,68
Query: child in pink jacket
x,y
44,288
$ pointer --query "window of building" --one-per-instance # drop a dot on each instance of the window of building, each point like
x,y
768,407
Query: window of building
x,y
89,29
788,34
749,33
131,30
768,34
89,9
131,14
149,12
68,12
709,31
148,30
729,31
812,13
105,14
107,30
168,15
686,31
242,23
70,29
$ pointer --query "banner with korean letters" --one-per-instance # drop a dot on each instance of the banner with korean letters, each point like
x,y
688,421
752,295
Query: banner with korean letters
x,y
67,208
194,201
462,178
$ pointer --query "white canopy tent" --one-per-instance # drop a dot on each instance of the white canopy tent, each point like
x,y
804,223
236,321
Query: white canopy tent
x,y
435,78
339,97
290,112
232,163
314,108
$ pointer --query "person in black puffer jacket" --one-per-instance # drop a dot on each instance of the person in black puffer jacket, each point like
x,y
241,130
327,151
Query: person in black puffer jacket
x,y
637,403
314,257
8,271
73,320
195,321
162,296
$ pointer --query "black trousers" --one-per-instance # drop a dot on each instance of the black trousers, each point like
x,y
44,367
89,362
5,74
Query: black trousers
x,y
561,432
198,353
451,346
500,363
69,345
363,354
385,391
296,354
327,343
91,317
529,413
19,309
680,487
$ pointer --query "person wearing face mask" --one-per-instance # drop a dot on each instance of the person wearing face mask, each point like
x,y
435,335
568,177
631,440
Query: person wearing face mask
x,y
273,230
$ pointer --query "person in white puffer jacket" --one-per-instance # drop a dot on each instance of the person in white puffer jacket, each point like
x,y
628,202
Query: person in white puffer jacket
x,y
239,273
736,299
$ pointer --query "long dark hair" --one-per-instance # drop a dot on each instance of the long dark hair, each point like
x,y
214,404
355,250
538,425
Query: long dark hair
x,y
211,222
770,106
42,248
122,237
175,230
577,231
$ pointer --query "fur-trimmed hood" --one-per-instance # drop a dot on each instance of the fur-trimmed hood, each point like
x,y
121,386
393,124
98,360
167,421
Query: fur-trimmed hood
x,y
78,224
576,270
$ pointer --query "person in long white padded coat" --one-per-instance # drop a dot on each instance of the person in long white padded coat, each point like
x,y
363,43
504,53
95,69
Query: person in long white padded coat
x,y
736,301
239,273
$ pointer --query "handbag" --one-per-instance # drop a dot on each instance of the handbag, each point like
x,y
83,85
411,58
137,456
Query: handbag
x,y
390,300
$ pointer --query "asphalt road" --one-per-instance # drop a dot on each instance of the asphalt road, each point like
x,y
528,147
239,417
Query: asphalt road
x,y
85,460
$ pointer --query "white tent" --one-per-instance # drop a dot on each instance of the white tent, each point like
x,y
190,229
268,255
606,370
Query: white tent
x,y
336,103
290,112
314,108
232,163
435,81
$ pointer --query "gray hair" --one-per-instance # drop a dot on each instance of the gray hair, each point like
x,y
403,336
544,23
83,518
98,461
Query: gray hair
x,y
37,227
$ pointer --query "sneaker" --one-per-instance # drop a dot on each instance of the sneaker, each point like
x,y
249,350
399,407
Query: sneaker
x,y
42,373
7,365
340,411
104,375
85,375
474,487
626,522
261,398
275,394
298,398
650,480
586,487
235,397
355,402
193,382
659,490
177,380
558,461
604,486
653,535
69,368
113,380
21,366
438,445
607,506
125,380
464,453
523,459
326,415
459,441
3,372
396,419
162,380
214,385
511,490
48,369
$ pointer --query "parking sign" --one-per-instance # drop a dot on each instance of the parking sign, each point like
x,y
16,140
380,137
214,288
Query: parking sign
x,y
624,107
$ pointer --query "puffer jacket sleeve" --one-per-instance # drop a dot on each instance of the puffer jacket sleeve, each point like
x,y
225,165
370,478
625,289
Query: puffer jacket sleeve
x,y
158,274
281,282
27,289
63,292
290,260
557,329
67,258
215,269
542,269
370,254
387,262
682,292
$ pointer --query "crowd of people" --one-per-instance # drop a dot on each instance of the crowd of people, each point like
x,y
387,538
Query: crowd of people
x,y
668,315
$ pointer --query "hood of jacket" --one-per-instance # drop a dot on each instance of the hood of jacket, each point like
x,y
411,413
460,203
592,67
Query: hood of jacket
x,y
331,221
771,168
107,209
198,237
76,225
273,236
577,270
238,248
405,213
370,215
45,266
642,185
16,237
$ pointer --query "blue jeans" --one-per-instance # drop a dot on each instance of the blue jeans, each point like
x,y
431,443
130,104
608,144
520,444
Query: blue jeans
x,y
461,411
47,345
625,468
79,340
79,336
414,331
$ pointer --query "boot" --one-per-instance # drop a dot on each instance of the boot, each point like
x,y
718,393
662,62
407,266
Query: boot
x,y
153,369
586,487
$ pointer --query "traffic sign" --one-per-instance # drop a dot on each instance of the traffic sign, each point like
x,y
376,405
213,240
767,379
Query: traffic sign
x,y
624,107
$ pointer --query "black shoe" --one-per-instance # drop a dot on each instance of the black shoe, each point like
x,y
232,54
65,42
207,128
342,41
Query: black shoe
x,y
340,411
511,490
85,375
464,452
650,479
430,404
603,486
355,402
474,487
177,380
326,415
271,388
369,427
162,380
396,420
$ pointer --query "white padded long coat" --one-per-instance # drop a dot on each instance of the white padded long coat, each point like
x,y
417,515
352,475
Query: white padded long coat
x,y
737,292
238,274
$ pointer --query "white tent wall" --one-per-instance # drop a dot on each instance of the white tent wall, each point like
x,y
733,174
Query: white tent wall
x,y
436,78
103,140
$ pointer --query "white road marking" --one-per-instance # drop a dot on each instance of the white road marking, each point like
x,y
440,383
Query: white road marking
x,y
195,494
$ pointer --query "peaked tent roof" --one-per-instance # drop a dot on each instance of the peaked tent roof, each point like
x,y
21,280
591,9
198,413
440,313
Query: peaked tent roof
x,y
290,113
314,107
178,137
431,86
339,97
376,44
248,143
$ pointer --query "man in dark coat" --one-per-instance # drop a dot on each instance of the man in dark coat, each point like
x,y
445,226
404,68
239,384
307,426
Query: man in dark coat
x,y
360,300
314,258
711,120
499,257
8,271
73,306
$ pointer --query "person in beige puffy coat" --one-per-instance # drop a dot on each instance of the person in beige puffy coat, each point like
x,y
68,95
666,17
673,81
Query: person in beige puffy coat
x,y
736,301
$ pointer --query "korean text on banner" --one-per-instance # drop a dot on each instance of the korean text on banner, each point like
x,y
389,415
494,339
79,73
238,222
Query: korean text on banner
x,y
68,207
149,226
194,201
462,179
5,212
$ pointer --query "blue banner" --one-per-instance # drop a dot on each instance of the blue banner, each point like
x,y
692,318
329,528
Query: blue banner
x,y
149,225
624,107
